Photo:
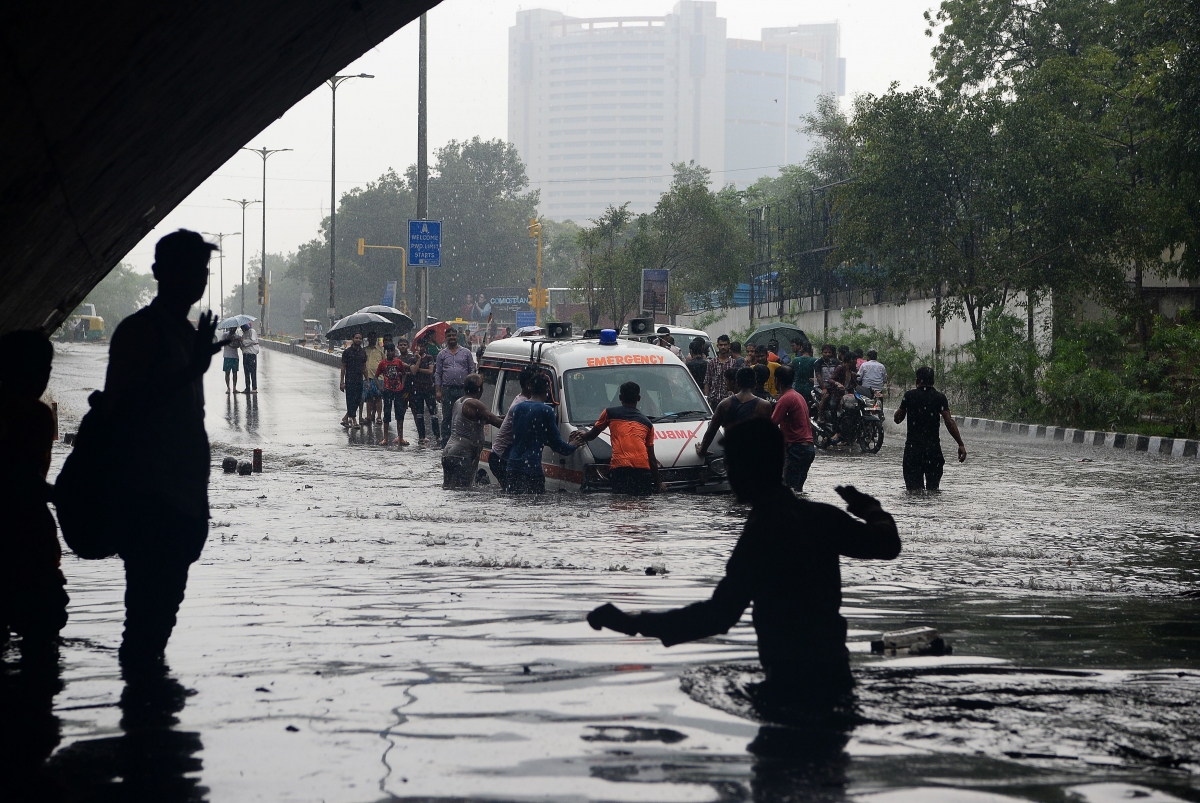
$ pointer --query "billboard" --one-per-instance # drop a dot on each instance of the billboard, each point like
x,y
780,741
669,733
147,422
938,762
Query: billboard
x,y
655,284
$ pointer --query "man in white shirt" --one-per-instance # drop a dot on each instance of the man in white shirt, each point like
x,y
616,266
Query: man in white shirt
x,y
229,361
250,350
872,374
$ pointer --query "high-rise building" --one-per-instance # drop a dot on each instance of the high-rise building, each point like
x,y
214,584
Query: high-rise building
x,y
770,84
600,108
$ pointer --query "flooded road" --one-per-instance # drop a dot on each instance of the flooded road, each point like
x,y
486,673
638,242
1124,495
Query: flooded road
x,y
353,632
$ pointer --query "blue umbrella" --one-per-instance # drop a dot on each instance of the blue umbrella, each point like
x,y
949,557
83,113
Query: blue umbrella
x,y
236,322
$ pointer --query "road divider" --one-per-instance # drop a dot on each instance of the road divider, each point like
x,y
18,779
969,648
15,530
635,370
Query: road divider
x,y
317,355
1150,444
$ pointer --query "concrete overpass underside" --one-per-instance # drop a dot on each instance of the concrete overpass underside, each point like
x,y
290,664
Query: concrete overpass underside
x,y
114,112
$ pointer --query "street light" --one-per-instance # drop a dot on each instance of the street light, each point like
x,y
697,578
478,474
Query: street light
x,y
264,153
333,84
221,235
243,204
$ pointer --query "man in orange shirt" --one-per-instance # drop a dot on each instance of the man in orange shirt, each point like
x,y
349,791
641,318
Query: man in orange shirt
x,y
633,469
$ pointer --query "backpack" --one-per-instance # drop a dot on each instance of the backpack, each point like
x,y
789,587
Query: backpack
x,y
85,495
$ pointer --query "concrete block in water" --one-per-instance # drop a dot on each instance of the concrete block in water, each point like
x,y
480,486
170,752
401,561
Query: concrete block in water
x,y
244,468
915,640
229,465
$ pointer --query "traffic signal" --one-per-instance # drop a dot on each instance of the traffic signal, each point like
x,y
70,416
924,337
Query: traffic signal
x,y
544,301
539,299
533,297
262,290
362,246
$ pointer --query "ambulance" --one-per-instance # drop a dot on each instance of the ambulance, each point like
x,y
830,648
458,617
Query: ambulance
x,y
585,374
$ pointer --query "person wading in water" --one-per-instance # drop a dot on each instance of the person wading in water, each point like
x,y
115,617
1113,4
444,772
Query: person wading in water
x,y
741,406
786,563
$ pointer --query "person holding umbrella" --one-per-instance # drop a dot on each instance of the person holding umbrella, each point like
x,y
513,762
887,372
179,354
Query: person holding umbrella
x,y
229,363
354,369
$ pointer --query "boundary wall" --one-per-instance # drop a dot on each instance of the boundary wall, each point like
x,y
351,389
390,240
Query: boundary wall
x,y
912,319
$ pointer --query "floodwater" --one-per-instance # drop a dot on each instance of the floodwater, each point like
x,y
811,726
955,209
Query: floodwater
x,y
353,632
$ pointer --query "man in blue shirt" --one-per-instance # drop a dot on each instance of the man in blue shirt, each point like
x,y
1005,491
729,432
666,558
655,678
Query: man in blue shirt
x,y
534,426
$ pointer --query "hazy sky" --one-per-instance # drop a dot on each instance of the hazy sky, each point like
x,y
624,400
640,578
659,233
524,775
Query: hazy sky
x,y
882,41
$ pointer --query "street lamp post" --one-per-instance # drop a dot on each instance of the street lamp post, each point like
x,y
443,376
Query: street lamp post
x,y
221,235
333,84
422,171
264,153
243,204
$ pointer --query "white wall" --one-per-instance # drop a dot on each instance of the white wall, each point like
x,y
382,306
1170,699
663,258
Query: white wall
x,y
911,319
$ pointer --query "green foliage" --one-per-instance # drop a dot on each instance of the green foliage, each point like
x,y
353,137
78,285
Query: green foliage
x,y
1094,377
476,188
996,375
695,233
120,294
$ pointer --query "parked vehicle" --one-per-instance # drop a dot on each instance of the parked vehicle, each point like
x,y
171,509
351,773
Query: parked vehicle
x,y
682,337
86,325
585,376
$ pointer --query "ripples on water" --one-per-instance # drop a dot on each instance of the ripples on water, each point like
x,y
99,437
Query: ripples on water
x,y
430,643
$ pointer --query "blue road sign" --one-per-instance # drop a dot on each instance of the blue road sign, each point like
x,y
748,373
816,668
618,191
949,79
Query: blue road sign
x,y
425,243
526,319
389,294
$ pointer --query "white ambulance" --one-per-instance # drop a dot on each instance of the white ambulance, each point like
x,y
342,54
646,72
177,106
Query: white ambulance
x,y
585,374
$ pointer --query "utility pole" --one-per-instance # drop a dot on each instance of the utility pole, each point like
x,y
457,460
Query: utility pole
x,y
243,204
422,175
221,235
333,83
264,153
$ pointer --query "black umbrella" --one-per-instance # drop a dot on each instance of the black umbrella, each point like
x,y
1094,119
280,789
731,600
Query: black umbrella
x,y
360,323
404,324
782,332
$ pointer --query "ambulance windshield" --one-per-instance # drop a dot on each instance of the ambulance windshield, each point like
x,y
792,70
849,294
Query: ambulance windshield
x,y
668,392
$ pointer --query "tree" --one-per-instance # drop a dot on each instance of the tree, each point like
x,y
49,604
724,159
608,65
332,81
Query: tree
x,y
475,189
608,278
698,235
120,294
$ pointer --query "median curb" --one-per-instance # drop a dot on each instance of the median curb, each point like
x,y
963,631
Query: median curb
x,y
316,355
1151,444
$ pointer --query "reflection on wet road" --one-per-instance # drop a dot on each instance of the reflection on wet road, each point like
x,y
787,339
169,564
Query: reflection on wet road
x,y
353,632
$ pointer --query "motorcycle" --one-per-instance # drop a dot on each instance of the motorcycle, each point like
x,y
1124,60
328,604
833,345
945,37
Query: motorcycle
x,y
857,422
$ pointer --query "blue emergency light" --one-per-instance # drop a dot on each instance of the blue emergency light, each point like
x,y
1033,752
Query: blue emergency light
x,y
608,337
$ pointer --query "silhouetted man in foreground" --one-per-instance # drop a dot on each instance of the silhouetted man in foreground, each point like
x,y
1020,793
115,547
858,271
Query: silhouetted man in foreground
x,y
786,563
32,600
154,394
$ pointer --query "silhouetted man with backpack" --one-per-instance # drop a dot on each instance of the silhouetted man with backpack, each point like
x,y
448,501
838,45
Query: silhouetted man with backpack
x,y
154,398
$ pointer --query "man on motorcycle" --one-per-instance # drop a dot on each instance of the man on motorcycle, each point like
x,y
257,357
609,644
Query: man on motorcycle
x,y
872,374
825,368
844,380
